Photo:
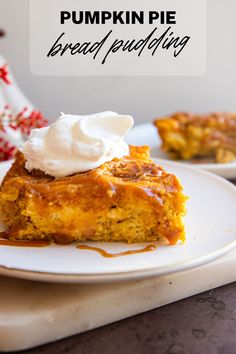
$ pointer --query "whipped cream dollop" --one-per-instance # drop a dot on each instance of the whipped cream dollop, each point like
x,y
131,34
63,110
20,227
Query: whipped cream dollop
x,y
75,143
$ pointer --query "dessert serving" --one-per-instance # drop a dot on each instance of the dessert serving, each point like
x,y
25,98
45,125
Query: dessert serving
x,y
188,136
78,180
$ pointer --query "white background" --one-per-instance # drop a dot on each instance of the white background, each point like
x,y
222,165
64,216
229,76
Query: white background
x,y
144,97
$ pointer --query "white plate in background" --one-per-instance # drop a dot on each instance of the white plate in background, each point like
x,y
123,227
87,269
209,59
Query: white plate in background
x,y
210,227
146,134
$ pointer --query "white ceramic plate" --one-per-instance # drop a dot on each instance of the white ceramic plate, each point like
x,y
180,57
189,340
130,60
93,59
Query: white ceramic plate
x,y
147,134
210,226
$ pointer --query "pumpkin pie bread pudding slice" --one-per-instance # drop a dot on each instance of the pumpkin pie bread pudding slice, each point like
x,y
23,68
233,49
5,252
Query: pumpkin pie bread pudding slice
x,y
188,136
128,199
92,186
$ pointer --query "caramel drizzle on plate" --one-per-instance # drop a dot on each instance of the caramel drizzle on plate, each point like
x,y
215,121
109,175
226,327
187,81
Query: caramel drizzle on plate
x,y
35,243
106,254
102,252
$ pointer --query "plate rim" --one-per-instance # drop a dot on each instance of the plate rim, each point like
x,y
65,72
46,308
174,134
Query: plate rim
x,y
129,275
118,276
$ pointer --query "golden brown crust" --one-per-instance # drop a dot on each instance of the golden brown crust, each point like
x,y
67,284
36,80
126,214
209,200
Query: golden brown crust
x,y
187,135
140,152
129,199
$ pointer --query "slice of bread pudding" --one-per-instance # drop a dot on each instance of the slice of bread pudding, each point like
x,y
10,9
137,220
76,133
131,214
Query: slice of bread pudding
x,y
188,136
128,199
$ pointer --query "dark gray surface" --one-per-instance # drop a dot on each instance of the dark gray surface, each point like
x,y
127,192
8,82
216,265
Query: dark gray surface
x,y
202,324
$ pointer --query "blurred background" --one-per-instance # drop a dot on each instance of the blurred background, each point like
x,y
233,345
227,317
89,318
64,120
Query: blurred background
x,y
143,97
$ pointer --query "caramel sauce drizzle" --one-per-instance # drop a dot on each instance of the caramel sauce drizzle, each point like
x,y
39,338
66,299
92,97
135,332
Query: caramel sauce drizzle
x,y
104,253
35,243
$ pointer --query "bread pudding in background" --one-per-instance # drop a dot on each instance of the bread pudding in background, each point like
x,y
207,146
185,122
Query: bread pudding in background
x,y
128,199
188,136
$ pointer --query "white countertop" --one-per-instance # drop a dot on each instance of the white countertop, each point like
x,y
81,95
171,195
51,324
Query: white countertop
x,y
34,313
